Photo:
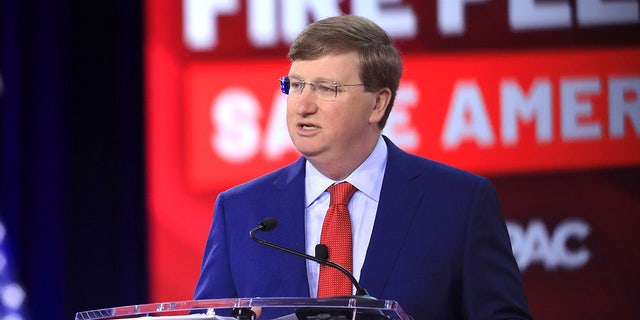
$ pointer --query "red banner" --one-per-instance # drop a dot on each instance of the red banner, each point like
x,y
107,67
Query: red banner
x,y
488,113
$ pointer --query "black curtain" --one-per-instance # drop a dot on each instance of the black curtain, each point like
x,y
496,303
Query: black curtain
x,y
72,153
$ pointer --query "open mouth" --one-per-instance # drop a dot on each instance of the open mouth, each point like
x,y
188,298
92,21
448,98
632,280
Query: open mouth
x,y
307,126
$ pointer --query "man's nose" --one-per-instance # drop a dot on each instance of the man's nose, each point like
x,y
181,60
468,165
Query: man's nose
x,y
306,102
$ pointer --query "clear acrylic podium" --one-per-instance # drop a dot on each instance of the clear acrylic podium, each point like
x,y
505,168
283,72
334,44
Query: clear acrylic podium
x,y
339,308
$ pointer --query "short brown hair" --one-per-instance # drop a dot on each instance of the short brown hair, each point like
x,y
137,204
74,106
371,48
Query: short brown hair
x,y
379,66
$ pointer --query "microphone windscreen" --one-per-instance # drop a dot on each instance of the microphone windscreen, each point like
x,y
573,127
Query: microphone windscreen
x,y
322,252
268,224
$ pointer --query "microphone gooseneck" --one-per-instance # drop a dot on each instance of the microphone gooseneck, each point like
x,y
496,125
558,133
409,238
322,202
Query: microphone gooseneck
x,y
321,257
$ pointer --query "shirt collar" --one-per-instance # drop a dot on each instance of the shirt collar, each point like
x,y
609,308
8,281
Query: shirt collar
x,y
367,178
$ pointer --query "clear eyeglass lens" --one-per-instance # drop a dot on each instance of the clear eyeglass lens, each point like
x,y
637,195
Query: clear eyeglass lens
x,y
296,87
325,90
322,89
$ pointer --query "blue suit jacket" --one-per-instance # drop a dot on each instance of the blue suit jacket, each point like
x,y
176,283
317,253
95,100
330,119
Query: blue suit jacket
x,y
439,244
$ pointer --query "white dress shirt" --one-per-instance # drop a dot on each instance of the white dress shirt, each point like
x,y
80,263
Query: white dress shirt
x,y
367,178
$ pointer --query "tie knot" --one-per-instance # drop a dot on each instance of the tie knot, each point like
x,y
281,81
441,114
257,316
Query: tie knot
x,y
341,193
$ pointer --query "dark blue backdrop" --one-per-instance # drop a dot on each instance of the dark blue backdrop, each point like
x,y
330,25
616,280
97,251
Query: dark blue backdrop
x,y
72,158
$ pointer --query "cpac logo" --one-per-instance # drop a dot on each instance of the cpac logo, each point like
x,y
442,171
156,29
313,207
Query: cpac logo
x,y
534,244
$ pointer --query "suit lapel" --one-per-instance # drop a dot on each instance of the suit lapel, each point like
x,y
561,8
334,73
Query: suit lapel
x,y
290,185
396,209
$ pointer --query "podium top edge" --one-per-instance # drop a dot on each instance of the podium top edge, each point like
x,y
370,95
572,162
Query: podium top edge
x,y
206,306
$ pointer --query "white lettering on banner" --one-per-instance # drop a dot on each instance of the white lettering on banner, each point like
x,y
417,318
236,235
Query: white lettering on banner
x,y
267,27
262,23
399,20
526,15
534,245
619,107
603,12
234,115
532,14
451,19
237,136
200,30
297,13
573,109
467,119
536,106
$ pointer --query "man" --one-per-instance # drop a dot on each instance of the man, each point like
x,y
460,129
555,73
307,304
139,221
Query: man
x,y
427,235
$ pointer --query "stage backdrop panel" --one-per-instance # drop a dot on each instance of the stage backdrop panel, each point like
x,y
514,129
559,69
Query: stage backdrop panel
x,y
542,97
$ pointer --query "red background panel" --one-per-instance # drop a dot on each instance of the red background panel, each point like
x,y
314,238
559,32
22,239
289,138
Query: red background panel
x,y
608,200
543,186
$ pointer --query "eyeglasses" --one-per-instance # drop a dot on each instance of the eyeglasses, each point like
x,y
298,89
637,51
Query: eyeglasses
x,y
326,90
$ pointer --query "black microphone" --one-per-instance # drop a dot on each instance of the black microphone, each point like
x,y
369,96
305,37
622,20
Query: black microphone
x,y
322,253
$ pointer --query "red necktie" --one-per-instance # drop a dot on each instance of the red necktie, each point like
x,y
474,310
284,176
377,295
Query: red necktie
x,y
336,235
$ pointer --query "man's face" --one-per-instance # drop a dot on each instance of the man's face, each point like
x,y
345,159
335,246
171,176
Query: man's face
x,y
340,129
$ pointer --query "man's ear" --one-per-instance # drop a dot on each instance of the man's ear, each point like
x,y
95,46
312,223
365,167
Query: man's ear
x,y
383,97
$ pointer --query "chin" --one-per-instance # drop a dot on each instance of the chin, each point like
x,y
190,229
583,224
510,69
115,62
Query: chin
x,y
306,149
307,152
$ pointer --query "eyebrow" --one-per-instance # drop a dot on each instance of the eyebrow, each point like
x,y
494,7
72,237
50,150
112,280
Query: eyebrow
x,y
319,79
